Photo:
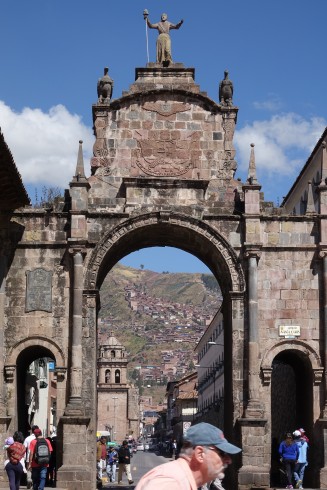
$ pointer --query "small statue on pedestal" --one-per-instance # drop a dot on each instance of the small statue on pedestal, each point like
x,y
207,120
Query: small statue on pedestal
x,y
226,91
104,88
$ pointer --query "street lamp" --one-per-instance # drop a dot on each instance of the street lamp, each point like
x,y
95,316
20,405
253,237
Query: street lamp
x,y
215,343
114,424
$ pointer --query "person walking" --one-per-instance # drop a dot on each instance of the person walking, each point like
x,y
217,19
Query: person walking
x,y
27,443
101,455
203,457
124,460
302,459
289,454
39,469
15,466
112,459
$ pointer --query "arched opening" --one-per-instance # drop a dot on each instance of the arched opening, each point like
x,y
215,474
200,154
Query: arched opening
x,y
37,390
291,403
211,248
117,376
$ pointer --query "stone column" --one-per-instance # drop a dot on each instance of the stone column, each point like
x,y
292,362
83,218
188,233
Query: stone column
x,y
3,271
75,386
4,419
254,408
323,254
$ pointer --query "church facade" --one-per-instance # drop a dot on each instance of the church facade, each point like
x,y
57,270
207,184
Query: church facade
x,y
163,174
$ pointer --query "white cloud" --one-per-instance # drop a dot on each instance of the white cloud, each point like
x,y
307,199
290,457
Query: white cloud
x,y
45,145
273,104
282,143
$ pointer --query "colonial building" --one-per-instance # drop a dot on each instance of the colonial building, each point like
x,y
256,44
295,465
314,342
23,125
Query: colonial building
x,y
210,350
118,401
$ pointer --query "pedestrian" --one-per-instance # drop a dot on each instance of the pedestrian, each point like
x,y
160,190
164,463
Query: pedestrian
x,y
124,461
14,465
52,469
39,466
289,454
27,442
302,459
304,437
112,459
101,455
204,455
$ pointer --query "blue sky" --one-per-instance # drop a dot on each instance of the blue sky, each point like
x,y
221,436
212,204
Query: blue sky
x,y
53,52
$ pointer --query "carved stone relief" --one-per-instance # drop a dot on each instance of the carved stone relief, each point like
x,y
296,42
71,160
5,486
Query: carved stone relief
x,y
38,290
166,153
166,108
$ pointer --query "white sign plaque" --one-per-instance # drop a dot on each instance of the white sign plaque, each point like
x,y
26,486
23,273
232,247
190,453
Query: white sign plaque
x,y
289,331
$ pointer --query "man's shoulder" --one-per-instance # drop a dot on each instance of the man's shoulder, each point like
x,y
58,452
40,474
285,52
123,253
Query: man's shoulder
x,y
174,474
32,443
29,439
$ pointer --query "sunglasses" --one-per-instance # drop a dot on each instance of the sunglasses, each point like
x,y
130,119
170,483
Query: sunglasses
x,y
220,453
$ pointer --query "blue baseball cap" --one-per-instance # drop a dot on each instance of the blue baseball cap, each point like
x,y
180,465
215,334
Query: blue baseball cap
x,y
204,434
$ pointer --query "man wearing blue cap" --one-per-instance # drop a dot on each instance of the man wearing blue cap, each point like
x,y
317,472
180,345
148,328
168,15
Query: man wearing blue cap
x,y
204,456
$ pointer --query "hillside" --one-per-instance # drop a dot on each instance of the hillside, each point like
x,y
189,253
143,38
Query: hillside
x,y
159,317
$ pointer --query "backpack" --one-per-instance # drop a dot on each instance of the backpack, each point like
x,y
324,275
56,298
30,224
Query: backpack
x,y
41,452
15,452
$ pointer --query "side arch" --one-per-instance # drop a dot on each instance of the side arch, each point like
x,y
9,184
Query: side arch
x,y
167,229
35,341
302,348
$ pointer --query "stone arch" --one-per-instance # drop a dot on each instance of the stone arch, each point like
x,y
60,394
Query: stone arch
x,y
34,341
303,349
167,229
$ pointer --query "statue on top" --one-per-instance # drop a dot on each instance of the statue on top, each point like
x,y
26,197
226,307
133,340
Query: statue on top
x,y
163,40
226,91
105,87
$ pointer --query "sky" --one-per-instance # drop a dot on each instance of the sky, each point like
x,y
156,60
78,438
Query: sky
x,y
54,51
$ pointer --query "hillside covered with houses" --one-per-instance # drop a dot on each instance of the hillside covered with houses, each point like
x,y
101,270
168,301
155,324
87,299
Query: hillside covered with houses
x,y
159,317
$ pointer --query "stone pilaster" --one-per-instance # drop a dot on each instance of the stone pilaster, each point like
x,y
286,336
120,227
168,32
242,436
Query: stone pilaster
x,y
254,407
3,270
75,388
323,255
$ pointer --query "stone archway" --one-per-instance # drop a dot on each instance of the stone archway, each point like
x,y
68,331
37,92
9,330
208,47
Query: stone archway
x,y
292,373
167,229
201,239
30,349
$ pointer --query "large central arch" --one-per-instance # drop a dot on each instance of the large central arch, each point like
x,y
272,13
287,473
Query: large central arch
x,y
167,229
207,244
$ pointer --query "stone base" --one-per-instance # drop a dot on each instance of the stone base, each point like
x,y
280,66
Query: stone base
x,y
75,478
323,477
253,477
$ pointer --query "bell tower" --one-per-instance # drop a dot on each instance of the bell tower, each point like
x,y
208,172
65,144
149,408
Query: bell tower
x,y
117,400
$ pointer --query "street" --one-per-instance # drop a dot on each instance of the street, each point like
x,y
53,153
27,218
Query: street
x,y
141,462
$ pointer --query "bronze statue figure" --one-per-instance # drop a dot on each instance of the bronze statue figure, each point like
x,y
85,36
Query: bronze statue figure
x,y
226,91
105,87
163,40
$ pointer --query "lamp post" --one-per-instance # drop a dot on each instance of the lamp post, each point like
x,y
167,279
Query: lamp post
x,y
114,421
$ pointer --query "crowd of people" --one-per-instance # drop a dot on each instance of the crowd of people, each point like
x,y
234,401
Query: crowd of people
x,y
201,462
108,458
293,455
33,456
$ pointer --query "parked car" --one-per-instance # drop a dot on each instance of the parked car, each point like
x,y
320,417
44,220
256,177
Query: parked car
x,y
140,447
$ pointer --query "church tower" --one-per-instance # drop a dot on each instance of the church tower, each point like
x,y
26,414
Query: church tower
x,y
117,400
